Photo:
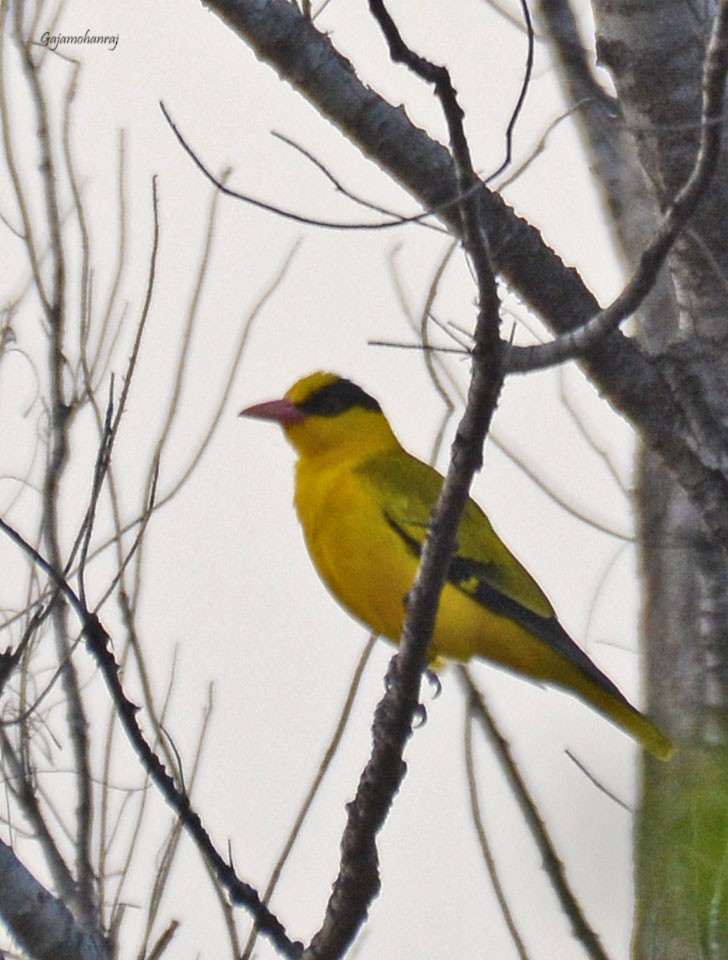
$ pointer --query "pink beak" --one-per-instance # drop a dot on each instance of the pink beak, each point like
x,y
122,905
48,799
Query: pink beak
x,y
282,411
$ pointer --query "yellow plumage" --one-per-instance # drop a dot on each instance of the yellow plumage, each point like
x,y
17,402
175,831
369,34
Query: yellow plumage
x,y
364,504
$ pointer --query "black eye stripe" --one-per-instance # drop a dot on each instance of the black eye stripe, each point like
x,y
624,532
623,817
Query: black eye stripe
x,y
338,397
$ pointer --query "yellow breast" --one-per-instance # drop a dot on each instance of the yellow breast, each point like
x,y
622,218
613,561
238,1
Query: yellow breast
x,y
369,570
360,559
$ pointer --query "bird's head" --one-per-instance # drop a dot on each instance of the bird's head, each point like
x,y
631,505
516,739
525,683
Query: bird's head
x,y
324,413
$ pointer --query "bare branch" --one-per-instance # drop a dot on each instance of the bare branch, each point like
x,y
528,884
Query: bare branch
x,y
576,71
181,366
552,864
358,879
521,99
60,413
99,644
340,188
279,211
102,463
28,234
40,922
21,784
485,848
578,342
328,757
619,369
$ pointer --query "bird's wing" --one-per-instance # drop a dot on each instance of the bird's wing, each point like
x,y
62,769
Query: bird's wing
x,y
482,566
406,490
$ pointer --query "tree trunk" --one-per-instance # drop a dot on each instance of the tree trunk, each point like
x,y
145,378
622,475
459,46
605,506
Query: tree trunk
x,y
655,54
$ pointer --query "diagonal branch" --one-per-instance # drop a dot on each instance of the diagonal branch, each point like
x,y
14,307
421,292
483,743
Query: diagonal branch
x,y
620,370
41,923
99,644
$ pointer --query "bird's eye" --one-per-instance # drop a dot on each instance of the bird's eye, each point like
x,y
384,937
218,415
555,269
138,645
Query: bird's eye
x,y
336,398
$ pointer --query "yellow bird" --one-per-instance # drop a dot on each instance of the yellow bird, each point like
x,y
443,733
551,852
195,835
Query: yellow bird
x,y
364,504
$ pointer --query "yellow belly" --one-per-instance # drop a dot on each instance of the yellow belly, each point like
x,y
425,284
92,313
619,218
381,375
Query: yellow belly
x,y
368,568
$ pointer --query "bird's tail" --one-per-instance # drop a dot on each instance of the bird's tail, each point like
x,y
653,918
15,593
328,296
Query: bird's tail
x,y
644,730
636,724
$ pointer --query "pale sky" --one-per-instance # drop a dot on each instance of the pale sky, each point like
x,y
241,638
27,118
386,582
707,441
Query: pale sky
x,y
227,582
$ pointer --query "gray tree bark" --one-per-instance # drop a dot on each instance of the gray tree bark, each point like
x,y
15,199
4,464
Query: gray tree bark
x,y
654,53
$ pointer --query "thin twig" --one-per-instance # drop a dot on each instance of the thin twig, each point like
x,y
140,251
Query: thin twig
x,y
171,845
182,365
60,414
552,864
597,783
29,241
345,191
324,766
578,342
99,644
100,468
522,93
397,221
272,208
485,848
98,365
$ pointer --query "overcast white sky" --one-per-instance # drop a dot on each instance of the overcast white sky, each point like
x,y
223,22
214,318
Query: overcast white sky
x,y
228,584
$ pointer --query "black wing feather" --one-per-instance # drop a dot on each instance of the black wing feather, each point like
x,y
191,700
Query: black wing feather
x,y
471,577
